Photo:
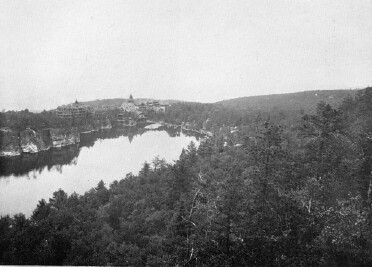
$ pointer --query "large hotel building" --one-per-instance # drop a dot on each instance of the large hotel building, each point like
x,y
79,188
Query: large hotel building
x,y
74,110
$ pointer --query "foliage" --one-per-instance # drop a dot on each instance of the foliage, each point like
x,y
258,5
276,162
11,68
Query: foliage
x,y
285,196
20,120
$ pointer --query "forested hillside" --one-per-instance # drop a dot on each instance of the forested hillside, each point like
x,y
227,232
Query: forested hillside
x,y
105,102
305,101
20,120
261,194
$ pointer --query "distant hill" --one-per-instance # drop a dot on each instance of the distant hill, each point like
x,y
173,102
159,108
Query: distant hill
x,y
291,101
105,102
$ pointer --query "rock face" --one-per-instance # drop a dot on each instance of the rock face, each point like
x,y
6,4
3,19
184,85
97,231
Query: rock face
x,y
96,126
32,142
9,143
45,136
64,137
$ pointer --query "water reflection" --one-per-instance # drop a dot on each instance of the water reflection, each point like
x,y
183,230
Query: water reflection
x,y
58,157
108,155
22,165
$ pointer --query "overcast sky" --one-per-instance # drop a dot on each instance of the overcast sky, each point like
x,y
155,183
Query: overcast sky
x,y
53,52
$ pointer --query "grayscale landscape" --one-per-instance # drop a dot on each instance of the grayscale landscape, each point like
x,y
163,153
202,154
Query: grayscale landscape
x,y
186,133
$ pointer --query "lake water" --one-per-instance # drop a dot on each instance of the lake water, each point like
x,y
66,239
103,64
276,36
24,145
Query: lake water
x,y
106,156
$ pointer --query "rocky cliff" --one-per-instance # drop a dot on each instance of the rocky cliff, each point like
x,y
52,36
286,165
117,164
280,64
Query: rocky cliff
x,y
13,143
64,137
33,142
9,143
96,126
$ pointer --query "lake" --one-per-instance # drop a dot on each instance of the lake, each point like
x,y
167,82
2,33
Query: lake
x,y
104,155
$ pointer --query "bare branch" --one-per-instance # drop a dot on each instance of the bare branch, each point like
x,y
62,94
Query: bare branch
x,y
200,176
193,203
188,221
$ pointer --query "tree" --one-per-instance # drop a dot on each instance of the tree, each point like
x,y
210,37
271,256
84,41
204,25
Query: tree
x,y
41,212
59,200
145,169
102,193
330,155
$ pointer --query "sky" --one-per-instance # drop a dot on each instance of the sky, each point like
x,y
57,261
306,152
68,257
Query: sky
x,y
53,52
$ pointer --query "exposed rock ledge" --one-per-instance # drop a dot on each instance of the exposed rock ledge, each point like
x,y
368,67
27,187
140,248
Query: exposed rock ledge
x,y
9,143
63,137
33,142
97,125
13,143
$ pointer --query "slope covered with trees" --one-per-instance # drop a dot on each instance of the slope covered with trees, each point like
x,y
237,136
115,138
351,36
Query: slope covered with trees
x,y
305,101
262,194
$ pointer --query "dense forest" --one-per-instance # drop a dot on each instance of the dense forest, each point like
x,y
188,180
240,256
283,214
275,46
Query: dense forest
x,y
268,189
283,109
212,117
20,120
290,101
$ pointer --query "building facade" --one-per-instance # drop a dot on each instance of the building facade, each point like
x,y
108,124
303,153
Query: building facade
x,y
75,110
135,106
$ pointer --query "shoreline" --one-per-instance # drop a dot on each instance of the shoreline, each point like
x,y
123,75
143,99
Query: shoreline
x,y
67,137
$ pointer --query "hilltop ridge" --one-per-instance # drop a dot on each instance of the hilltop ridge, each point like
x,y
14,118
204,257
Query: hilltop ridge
x,y
305,100
119,101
